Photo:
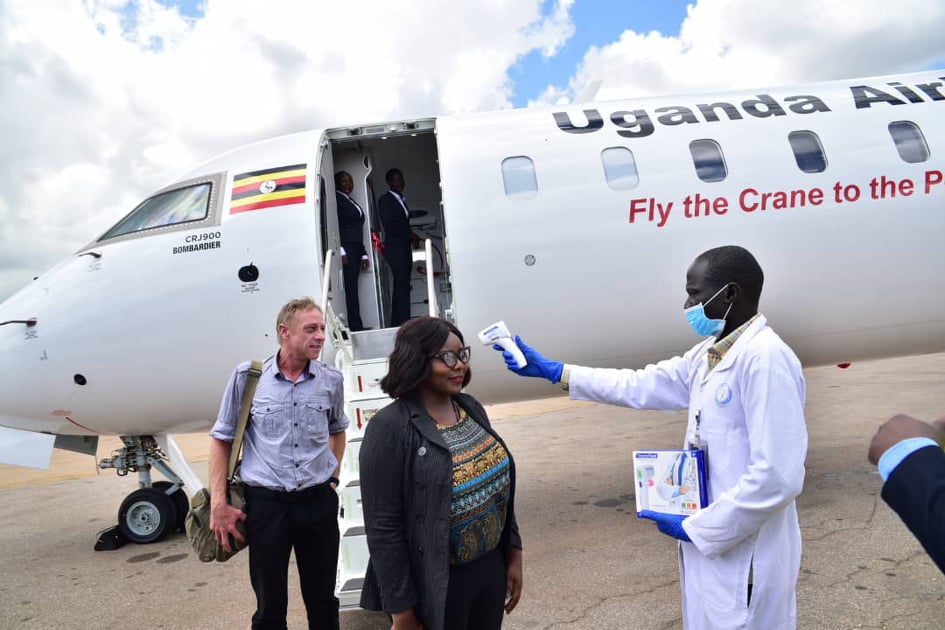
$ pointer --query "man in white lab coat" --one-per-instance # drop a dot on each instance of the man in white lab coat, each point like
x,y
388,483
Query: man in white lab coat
x,y
738,557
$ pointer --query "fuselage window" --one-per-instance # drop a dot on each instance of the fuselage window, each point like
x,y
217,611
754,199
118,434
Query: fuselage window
x,y
708,160
910,142
518,176
170,208
808,152
620,168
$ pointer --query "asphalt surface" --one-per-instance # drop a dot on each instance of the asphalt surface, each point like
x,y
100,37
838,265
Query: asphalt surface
x,y
589,563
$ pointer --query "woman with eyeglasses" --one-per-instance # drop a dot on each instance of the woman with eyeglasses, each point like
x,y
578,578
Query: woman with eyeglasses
x,y
437,490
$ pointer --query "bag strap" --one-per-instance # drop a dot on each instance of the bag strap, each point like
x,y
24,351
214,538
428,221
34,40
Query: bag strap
x,y
249,390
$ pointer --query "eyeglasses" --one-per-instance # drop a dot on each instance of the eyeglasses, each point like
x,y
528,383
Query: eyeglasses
x,y
451,358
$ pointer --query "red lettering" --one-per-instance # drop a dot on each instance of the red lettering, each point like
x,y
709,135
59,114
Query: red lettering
x,y
697,205
747,207
750,199
637,206
883,187
933,178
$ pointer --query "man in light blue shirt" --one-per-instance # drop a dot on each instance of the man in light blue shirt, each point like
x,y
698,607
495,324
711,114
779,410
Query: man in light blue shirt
x,y
911,462
292,449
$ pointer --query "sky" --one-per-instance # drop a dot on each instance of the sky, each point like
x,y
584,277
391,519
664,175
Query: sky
x,y
105,101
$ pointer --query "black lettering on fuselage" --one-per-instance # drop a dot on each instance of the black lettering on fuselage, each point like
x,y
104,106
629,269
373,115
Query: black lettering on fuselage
x,y
806,104
638,124
198,247
932,89
708,111
594,122
675,115
864,96
911,96
763,106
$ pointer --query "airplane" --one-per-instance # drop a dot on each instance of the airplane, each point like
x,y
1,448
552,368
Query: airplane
x,y
574,224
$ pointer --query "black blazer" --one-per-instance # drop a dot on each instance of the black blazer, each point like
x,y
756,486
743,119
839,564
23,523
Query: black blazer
x,y
393,218
916,491
406,489
350,223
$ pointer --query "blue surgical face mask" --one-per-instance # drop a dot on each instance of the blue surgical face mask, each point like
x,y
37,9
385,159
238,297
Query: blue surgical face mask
x,y
703,325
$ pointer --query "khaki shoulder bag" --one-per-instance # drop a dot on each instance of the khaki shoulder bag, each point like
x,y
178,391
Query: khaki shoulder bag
x,y
197,523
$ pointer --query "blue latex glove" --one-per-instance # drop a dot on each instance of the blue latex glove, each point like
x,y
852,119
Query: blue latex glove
x,y
537,364
669,524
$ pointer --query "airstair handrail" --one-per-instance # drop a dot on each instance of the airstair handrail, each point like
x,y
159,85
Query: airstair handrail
x,y
332,323
326,277
434,308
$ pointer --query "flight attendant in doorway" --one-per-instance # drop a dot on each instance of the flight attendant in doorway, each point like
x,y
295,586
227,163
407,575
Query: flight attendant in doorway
x,y
399,240
354,256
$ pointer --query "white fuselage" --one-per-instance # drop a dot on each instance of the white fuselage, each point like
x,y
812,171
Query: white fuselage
x,y
152,324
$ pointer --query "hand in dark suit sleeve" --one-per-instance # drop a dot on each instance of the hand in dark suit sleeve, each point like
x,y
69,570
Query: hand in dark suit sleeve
x,y
902,427
382,460
916,491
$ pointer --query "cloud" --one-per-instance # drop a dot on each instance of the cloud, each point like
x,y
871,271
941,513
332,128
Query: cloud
x,y
105,101
726,44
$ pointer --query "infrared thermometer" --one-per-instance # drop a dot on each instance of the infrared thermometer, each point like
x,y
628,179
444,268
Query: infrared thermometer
x,y
498,333
645,476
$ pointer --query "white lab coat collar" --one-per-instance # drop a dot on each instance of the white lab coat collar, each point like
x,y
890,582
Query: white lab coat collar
x,y
740,343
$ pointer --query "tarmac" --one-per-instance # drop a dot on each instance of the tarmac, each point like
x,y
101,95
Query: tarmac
x,y
589,562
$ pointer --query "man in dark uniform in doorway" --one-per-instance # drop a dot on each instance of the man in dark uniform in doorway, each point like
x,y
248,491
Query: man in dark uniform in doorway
x,y
398,242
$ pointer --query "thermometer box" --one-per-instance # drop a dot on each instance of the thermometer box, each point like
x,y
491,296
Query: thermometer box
x,y
670,481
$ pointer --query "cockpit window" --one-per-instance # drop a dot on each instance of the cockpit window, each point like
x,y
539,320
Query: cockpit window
x,y
182,205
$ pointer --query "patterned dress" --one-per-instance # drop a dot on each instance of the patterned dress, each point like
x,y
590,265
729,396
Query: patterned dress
x,y
481,486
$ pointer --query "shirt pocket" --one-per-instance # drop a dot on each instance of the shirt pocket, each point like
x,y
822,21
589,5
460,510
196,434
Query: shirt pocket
x,y
269,421
314,418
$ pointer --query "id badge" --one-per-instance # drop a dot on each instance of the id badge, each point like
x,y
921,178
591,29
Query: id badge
x,y
698,443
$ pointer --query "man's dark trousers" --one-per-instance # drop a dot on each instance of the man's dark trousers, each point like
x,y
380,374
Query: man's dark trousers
x,y
275,523
400,258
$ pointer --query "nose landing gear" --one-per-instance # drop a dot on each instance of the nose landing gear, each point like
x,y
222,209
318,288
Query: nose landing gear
x,y
155,509
147,515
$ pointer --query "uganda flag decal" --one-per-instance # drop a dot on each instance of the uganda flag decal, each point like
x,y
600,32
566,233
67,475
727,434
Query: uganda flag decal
x,y
268,188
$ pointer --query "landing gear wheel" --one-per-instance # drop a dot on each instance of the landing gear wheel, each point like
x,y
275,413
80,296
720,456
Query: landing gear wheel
x,y
147,515
180,502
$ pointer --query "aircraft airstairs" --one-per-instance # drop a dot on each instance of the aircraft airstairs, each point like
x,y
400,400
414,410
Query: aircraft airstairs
x,y
362,359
